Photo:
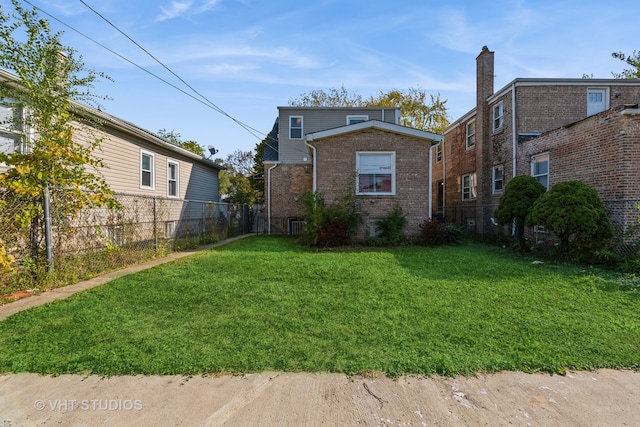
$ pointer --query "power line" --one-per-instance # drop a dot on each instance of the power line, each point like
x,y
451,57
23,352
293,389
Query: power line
x,y
206,102
215,107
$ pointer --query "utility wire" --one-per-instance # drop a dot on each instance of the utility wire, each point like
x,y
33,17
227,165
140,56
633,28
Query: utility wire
x,y
215,107
206,102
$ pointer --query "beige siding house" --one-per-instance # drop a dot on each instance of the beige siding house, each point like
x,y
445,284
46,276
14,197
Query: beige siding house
x,y
139,162
136,160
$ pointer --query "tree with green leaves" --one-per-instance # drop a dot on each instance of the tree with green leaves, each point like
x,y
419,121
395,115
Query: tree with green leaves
x,y
174,138
520,193
574,212
418,109
236,181
42,97
633,61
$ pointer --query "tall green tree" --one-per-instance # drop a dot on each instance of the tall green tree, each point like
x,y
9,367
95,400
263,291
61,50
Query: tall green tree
x,y
418,109
239,172
633,61
42,96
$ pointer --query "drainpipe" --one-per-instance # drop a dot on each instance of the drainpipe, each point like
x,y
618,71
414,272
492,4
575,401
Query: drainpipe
x,y
514,132
313,154
430,191
444,180
269,197
514,141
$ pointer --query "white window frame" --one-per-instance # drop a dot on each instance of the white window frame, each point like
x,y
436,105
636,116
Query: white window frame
x,y
16,130
291,128
351,120
495,179
471,135
540,158
151,171
498,116
362,154
469,186
175,163
438,152
597,107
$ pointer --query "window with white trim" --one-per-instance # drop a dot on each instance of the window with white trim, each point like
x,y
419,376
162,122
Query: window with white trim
x,y
439,152
12,138
498,116
497,179
147,170
295,127
352,120
469,189
376,173
540,169
173,178
471,134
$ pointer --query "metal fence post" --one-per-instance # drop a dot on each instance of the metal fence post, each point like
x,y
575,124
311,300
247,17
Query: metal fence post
x,y
47,228
155,224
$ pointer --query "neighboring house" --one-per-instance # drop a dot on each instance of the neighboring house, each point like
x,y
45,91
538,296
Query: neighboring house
x,y
511,132
337,151
137,162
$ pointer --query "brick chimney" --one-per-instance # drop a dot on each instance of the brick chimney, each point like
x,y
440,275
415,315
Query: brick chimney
x,y
484,75
484,89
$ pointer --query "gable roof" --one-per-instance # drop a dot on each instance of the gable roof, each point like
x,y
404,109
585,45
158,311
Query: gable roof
x,y
374,124
125,126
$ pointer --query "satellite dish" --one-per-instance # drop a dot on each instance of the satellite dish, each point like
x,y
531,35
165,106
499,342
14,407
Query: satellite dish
x,y
212,150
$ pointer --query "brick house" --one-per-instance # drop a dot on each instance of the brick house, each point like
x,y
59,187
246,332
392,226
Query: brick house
x,y
553,129
336,150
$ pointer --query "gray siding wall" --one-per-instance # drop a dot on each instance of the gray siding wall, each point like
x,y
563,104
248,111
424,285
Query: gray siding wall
x,y
121,153
316,119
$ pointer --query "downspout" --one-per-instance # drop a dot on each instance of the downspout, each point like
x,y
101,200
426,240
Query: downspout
x,y
430,191
514,132
313,154
269,197
444,179
514,141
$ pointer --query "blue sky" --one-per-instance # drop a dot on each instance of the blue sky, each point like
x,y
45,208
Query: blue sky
x,y
250,56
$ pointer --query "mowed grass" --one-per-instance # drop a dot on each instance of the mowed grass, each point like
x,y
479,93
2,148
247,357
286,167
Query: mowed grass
x,y
267,304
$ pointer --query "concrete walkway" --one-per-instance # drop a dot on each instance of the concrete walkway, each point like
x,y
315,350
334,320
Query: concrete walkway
x,y
7,310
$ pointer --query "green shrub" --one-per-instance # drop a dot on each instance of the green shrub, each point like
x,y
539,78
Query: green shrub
x,y
455,234
515,204
574,212
329,225
391,227
433,233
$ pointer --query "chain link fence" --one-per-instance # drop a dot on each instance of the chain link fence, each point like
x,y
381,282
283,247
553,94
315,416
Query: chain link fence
x,y
102,239
623,213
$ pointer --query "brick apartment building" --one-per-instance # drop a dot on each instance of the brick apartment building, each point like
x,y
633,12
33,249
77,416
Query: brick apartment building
x,y
553,129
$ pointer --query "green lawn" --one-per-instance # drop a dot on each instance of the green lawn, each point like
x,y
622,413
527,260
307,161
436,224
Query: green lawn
x,y
264,303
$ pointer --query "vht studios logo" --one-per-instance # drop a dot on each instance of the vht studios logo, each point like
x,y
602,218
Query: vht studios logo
x,y
64,405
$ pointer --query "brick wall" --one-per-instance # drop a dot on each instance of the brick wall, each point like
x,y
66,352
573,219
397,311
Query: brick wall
x,y
602,151
336,174
288,184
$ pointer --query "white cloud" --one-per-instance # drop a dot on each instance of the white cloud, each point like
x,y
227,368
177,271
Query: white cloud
x,y
174,10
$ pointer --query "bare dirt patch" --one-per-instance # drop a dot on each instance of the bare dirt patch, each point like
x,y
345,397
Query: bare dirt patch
x,y
602,398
